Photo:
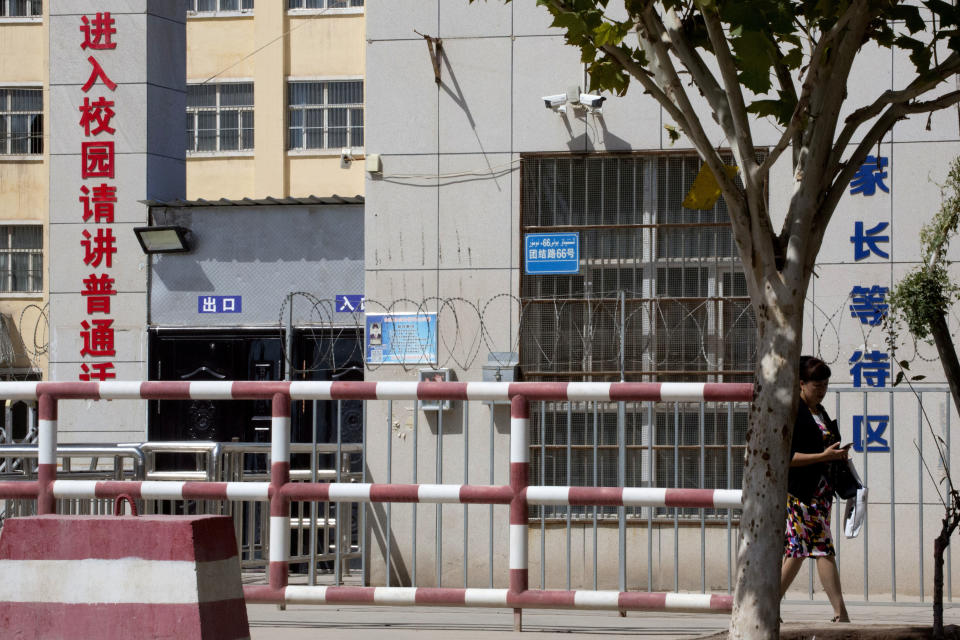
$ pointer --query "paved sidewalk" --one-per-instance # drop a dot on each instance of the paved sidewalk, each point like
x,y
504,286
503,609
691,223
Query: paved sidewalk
x,y
442,623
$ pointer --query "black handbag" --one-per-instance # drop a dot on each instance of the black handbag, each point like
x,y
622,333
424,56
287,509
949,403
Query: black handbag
x,y
844,479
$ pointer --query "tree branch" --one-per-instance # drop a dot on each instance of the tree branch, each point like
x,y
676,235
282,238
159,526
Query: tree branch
x,y
743,140
893,113
919,86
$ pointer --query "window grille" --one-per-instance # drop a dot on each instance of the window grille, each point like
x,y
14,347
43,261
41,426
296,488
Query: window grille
x,y
21,258
21,121
218,6
21,8
687,317
325,115
220,117
323,4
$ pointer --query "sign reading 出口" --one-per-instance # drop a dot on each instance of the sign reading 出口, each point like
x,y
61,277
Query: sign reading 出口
x,y
550,253
401,338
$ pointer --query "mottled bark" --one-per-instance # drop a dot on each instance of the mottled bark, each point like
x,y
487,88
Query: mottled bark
x,y
760,550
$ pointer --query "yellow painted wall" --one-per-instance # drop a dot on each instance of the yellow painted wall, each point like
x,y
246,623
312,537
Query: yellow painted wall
x,y
23,51
327,45
24,186
214,177
322,176
309,45
218,45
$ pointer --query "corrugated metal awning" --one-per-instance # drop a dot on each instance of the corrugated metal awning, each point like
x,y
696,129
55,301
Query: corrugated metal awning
x,y
248,202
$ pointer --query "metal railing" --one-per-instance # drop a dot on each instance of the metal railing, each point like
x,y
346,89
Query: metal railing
x,y
280,492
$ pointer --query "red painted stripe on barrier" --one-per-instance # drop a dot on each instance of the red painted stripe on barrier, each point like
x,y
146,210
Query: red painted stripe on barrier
x,y
205,490
279,506
262,594
280,406
728,392
442,391
249,390
19,489
599,496
350,594
519,407
280,472
46,474
394,493
278,573
472,494
56,537
227,619
518,581
697,498
165,390
46,407
113,488
640,601
635,391
721,602
306,491
518,484
70,390
519,472
353,390
538,390
434,595
547,599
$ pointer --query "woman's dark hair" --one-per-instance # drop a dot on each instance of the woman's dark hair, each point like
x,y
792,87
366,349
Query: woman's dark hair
x,y
813,369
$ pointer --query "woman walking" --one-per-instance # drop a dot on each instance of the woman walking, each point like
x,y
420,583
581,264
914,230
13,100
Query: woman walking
x,y
816,444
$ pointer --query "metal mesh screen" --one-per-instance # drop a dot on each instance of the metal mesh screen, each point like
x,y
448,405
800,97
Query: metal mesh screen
x,y
660,296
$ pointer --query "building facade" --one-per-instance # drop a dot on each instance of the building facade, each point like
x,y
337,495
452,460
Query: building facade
x,y
480,168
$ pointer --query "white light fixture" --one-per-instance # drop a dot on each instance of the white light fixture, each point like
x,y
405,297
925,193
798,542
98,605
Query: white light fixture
x,y
163,239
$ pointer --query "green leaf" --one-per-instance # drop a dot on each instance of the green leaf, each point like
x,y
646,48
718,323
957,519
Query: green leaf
x,y
918,378
793,58
899,378
904,364
752,51
672,133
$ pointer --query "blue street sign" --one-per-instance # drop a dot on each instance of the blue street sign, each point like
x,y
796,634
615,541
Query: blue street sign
x,y
350,303
548,253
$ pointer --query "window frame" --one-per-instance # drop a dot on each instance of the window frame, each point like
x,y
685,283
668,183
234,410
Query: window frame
x,y
218,110
219,12
326,107
34,5
6,135
34,276
351,8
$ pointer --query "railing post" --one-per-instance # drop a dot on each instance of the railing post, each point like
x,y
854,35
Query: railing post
x,y
279,505
519,477
46,453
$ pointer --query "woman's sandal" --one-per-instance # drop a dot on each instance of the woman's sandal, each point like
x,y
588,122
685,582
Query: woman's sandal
x,y
837,619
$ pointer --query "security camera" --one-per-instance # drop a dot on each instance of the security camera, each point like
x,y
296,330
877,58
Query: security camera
x,y
346,156
554,101
592,101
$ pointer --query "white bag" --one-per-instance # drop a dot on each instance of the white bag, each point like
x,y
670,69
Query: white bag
x,y
855,513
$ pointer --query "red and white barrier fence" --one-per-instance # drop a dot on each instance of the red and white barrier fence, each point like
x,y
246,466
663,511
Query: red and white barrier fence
x,y
279,492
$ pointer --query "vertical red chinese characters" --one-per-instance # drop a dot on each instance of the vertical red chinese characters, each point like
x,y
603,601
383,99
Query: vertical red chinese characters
x,y
97,198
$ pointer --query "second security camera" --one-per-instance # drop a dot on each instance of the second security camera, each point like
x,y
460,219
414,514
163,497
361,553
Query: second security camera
x,y
592,101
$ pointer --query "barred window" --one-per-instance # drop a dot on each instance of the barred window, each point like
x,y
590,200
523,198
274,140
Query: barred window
x,y
325,115
323,4
660,296
21,121
218,6
20,8
220,117
21,258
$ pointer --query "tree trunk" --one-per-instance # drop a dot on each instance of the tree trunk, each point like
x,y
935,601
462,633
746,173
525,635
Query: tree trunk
x,y
939,546
948,356
772,416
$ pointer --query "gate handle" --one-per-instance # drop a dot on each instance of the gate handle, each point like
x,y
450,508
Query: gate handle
x,y
118,504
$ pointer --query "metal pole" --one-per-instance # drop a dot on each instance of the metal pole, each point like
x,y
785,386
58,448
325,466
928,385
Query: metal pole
x,y
338,528
919,486
388,535
596,560
490,533
866,523
313,503
622,457
893,507
439,480
569,483
416,430
363,513
466,481
703,521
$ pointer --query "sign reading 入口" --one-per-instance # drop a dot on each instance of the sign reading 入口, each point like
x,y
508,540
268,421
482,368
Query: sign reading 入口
x,y
551,253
